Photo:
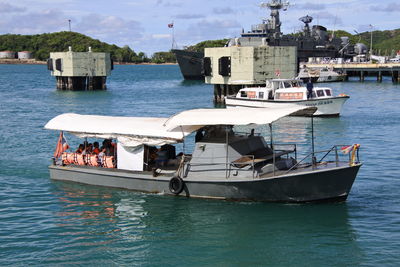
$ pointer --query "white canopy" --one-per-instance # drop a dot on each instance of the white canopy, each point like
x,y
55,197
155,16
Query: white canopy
x,y
135,131
130,131
194,119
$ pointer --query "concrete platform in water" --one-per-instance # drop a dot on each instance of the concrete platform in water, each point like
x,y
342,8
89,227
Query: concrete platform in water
x,y
224,164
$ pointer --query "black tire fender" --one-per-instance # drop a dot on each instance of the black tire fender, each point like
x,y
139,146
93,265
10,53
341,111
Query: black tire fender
x,y
176,185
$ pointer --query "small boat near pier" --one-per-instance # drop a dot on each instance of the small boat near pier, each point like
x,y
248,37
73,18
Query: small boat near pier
x,y
225,164
280,92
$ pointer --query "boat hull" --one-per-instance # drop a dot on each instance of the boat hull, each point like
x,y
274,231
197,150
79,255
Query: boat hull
x,y
190,64
323,185
326,107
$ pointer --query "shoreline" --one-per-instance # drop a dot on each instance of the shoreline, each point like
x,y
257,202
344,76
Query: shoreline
x,y
38,62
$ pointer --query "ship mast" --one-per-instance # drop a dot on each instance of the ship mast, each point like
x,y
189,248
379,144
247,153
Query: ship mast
x,y
274,23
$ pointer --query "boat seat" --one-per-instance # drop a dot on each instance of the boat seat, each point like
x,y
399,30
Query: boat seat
x,y
247,160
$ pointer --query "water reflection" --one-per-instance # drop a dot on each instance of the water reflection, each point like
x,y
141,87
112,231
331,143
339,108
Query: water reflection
x,y
153,228
189,83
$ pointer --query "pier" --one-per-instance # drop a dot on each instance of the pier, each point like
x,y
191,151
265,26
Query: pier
x,y
362,70
80,70
231,68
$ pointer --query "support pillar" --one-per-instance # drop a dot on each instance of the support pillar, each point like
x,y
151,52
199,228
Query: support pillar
x,y
362,76
346,77
379,76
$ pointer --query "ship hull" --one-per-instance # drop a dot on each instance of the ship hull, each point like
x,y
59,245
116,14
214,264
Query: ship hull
x,y
190,64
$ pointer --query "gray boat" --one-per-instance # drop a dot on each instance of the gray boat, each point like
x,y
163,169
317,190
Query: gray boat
x,y
225,164
310,42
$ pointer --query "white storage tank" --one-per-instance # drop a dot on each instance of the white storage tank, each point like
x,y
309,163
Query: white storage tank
x,y
7,54
24,55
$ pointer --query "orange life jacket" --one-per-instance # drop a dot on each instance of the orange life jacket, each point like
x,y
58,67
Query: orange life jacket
x,y
67,158
108,162
92,160
79,159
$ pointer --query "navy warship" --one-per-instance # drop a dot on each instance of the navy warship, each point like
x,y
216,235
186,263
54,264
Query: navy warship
x,y
311,41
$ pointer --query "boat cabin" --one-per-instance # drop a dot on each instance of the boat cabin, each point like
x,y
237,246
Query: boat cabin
x,y
283,90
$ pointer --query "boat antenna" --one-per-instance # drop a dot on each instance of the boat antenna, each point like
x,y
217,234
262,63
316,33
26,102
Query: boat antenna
x,y
272,147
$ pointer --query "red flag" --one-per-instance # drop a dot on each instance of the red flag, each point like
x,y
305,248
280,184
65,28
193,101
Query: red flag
x,y
171,25
62,145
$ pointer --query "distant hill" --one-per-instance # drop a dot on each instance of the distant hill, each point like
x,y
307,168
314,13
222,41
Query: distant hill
x,y
42,44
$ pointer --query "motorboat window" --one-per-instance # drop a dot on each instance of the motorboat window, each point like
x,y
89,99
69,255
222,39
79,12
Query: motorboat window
x,y
287,84
243,94
261,95
328,92
289,96
320,93
251,94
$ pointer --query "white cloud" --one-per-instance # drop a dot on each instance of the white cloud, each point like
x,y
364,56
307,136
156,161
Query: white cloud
x,y
110,28
161,36
8,8
391,7
36,22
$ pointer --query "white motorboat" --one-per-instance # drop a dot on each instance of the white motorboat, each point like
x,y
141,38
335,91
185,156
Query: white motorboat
x,y
279,92
224,164
320,75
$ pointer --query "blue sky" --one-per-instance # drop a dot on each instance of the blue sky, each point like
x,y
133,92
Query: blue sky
x,y
143,24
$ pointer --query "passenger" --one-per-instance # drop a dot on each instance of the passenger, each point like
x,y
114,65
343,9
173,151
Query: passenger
x,y
199,135
107,144
102,155
310,87
89,149
96,149
80,149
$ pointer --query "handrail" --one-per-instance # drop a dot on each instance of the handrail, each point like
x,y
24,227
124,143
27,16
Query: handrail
x,y
327,152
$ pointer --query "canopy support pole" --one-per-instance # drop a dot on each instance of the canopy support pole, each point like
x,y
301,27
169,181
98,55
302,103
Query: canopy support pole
x,y
273,149
183,138
314,160
226,158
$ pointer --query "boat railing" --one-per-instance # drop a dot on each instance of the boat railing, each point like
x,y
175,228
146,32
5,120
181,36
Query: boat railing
x,y
229,165
336,151
249,161
289,148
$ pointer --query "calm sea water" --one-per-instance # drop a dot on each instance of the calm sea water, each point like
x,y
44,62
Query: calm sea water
x,y
43,222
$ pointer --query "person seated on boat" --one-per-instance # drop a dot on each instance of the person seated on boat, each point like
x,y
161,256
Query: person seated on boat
x,y
309,87
96,149
101,155
88,149
80,149
107,144
199,135
152,155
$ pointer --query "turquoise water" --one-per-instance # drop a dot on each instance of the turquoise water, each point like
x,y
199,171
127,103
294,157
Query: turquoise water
x,y
49,223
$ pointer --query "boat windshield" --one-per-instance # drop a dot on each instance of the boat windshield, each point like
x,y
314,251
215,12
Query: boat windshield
x,y
290,84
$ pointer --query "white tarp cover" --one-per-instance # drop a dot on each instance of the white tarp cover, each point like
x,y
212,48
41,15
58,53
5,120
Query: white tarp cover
x,y
191,120
130,131
136,131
